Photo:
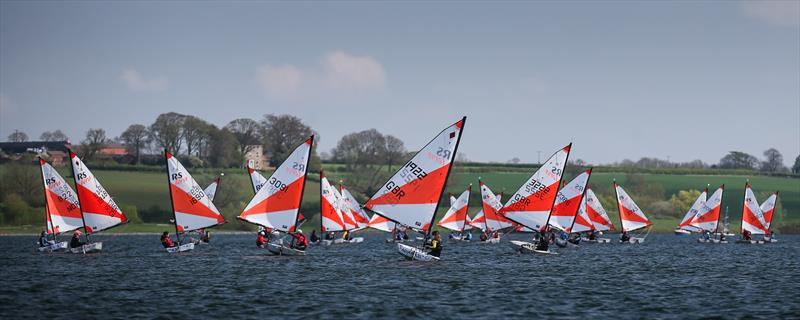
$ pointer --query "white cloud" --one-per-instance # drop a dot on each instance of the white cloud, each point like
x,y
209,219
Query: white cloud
x,y
137,83
338,73
784,13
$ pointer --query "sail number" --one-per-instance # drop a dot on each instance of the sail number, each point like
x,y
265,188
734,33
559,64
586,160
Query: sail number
x,y
395,190
412,172
277,184
537,189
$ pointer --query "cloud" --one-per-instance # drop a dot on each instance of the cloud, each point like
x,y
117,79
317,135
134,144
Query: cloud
x,y
337,73
778,13
137,83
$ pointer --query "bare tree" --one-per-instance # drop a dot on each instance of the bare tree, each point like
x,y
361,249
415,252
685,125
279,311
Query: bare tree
x,y
738,160
167,131
135,138
247,132
773,162
18,136
95,140
53,136
195,134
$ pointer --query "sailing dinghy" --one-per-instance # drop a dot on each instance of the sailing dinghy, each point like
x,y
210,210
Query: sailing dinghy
x,y
211,190
597,216
456,218
411,197
707,218
568,203
754,220
98,210
493,222
685,227
335,216
768,210
61,207
276,205
532,204
630,216
192,208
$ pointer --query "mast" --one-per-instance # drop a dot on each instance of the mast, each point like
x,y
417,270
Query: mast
x,y
744,206
580,201
449,171
466,214
773,213
77,191
558,186
720,216
485,221
321,226
303,189
171,200
250,175
619,207
48,217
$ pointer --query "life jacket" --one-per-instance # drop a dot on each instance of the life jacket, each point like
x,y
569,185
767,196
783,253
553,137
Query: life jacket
x,y
167,242
261,240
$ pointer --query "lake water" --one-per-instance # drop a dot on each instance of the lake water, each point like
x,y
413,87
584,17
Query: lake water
x,y
667,277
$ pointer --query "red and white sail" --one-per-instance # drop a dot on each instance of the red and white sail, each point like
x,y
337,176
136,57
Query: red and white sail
x,y
381,223
256,179
100,212
752,216
582,221
597,214
63,214
568,201
530,206
211,190
329,207
478,221
356,211
707,217
686,223
347,215
768,209
193,208
456,217
631,217
492,218
276,205
411,196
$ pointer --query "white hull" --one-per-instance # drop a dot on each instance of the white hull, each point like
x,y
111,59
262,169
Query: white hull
x,y
341,241
393,240
412,253
750,241
88,248
716,241
181,248
770,240
281,250
492,240
596,240
527,247
60,246
633,240
682,232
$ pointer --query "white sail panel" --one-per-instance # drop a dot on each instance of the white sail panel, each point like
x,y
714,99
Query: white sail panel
x,y
100,212
361,217
707,218
211,190
531,204
582,222
493,220
768,209
381,223
685,223
478,221
597,214
347,215
329,207
631,217
410,197
277,203
256,179
193,208
752,216
455,218
568,200
63,214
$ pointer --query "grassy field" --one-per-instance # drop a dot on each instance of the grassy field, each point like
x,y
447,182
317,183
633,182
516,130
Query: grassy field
x,y
148,192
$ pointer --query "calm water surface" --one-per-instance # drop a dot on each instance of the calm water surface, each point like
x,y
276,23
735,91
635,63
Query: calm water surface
x,y
667,277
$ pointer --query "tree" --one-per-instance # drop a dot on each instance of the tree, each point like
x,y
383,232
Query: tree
x,y
282,133
135,138
395,151
773,162
95,140
247,132
18,136
796,166
223,149
195,134
683,200
738,160
360,149
167,131
514,160
53,136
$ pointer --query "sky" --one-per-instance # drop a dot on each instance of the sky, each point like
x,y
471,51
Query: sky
x,y
682,80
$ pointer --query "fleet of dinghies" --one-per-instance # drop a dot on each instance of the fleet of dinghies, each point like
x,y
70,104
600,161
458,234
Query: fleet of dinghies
x,y
544,205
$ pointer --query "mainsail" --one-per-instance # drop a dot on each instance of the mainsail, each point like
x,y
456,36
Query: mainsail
x,y
492,220
456,217
530,206
276,205
380,223
693,210
412,195
768,209
61,202
752,216
330,213
568,201
191,206
256,179
582,222
597,214
356,211
99,211
707,217
211,190
631,217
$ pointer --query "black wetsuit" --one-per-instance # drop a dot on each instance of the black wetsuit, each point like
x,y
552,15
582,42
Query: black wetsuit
x,y
76,242
436,247
543,244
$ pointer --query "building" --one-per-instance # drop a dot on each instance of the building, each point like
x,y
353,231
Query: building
x,y
255,158
34,146
114,149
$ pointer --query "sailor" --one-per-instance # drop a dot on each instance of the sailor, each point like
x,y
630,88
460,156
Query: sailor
x,y
435,245
329,236
592,235
746,235
44,241
575,238
405,234
166,241
624,237
345,234
262,240
205,236
484,236
398,236
468,236
299,240
544,242
76,240
314,236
